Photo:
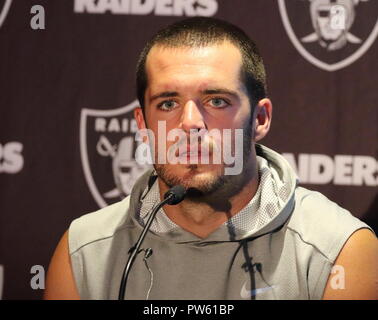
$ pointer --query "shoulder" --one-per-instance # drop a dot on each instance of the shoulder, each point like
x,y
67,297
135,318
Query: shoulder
x,y
60,283
97,225
322,223
355,272
104,223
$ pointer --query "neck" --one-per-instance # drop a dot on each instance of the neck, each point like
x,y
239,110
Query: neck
x,y
204,214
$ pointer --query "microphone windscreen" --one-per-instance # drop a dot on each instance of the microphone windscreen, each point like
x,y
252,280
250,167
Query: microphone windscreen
x,y
176,193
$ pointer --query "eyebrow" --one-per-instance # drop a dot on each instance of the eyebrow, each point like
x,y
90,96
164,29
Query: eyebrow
x,y
171,94
222,91
165,94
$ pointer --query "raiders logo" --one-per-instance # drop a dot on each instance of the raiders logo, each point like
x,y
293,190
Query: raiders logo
x,y
4,10
107,146
331,34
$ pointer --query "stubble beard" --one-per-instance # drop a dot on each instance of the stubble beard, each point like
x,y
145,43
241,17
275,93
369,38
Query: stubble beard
x,y
220,184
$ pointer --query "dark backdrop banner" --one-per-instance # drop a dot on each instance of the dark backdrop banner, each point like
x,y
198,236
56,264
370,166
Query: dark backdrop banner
x,y
67,93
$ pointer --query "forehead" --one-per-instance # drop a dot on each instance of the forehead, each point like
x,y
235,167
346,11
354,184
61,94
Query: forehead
x,y
217,64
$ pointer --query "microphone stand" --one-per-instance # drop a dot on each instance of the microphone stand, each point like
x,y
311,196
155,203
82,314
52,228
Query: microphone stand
x,y
134,250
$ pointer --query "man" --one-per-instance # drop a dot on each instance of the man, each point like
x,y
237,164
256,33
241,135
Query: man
x,y
252,234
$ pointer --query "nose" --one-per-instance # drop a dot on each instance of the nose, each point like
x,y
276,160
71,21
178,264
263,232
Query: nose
x,y
191,117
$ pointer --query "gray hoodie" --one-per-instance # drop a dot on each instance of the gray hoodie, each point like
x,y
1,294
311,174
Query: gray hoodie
x,y
281,246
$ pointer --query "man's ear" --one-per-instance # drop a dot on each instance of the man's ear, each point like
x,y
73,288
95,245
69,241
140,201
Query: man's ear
x,y
262,116
139,117
141,123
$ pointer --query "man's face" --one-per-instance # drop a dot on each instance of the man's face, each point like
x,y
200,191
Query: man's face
x,y
192,89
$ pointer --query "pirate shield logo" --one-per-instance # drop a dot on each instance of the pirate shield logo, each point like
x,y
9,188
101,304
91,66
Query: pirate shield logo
x,y
4,8
108,146
331,34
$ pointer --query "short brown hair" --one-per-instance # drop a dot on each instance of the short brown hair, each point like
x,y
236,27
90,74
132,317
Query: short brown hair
x,y
201,32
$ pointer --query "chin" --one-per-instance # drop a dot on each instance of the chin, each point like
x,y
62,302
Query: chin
x,y
200,177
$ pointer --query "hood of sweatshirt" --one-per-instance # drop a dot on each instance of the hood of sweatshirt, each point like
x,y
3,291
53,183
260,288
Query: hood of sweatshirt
x,y
267,211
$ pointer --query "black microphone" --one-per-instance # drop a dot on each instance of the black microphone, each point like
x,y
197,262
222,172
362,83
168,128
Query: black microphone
x,y
176,194
173,196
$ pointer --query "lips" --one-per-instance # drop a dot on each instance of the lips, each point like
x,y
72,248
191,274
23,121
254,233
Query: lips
x,y
195,153
191,151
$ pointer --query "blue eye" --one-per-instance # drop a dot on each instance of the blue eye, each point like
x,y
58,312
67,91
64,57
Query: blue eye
x,y
167,105
219,103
